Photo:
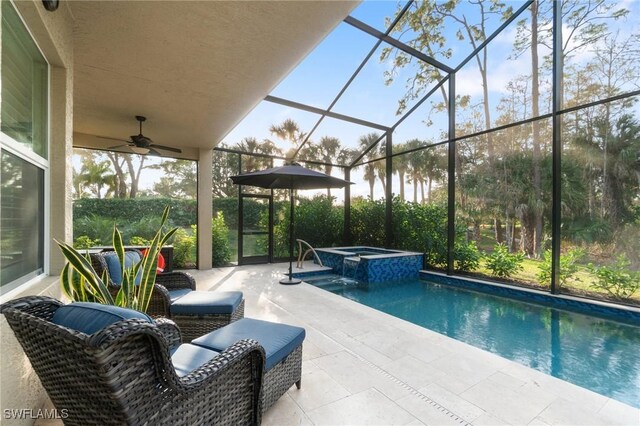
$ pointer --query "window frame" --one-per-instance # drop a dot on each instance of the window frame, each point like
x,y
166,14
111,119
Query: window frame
x,y
10,145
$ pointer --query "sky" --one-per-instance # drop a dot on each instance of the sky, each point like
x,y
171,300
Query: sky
x,y
318,78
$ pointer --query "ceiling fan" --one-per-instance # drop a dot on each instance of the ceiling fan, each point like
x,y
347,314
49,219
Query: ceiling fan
x,y
140,144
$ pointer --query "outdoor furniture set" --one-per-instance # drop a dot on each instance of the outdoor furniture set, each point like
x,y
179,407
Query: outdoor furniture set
x,y
103,364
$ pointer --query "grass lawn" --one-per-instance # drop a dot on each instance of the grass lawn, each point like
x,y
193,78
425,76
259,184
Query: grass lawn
x,y
579,284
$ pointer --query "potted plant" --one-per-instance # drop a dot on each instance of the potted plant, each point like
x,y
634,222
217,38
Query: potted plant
x,y
81,283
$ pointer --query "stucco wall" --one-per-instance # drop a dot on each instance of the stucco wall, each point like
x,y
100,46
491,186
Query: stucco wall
x,y
20,387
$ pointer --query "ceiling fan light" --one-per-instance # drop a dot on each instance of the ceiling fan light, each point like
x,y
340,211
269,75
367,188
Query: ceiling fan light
x,y
139,150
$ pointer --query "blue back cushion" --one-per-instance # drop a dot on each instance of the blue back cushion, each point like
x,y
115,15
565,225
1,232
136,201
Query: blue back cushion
x,y
113,265
92,317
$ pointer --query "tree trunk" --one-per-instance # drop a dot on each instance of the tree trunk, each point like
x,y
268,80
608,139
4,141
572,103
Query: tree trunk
x,y
372,182
527,234
135,175
121,181
415,189
509,234
497,230
401,176
476,231
422,190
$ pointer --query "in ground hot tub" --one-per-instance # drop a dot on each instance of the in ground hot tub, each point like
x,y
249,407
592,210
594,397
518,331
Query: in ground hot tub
x,y
371,264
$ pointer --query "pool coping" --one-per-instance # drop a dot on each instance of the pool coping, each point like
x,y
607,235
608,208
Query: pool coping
x,y
608,310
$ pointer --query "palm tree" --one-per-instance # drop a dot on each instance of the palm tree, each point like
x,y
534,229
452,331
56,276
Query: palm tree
x,y
96,175
252,146
400,166
434,170
369,169
415,167
328,150
381,166
289,131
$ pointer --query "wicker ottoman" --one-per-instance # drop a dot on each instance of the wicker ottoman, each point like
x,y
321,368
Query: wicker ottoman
x,y
200,312
282,344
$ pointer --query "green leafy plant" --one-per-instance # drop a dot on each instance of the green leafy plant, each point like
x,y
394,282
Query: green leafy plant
x,y
616,279
221,253
501,263
184,243
84,242
568,266
466,256
139,241
81,283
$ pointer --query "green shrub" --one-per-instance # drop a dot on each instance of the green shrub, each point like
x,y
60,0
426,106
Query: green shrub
x,y
616,279
317,221
568,266
143,228
501,263
94,227
367,222
221,253
122,210
139,241
466,256
184,244
84,242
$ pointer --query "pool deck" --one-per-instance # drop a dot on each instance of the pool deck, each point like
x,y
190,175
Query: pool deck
x,y
362,366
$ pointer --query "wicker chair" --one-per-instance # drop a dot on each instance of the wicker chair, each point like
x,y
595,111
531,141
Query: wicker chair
x,y
169,288
123,373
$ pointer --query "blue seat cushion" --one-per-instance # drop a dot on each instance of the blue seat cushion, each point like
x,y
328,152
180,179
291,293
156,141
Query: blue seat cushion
x,y
207,302
113,265
89,318
278,340
177,294
186,358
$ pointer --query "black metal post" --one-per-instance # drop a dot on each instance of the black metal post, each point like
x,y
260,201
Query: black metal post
x,y
451,201
556,188
348,239
290,280
240,215
388,217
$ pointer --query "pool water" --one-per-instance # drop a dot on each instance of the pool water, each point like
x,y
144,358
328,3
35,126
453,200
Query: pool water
x,y
597,354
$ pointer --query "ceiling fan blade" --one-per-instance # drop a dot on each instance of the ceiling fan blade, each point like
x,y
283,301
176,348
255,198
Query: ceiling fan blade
x,y
154,152
119,146
166,148
113,139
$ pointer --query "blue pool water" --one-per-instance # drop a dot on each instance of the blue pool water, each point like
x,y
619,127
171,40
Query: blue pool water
x,y
591,352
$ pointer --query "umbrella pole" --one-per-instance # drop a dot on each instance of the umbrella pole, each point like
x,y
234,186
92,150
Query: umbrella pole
x,y
290,280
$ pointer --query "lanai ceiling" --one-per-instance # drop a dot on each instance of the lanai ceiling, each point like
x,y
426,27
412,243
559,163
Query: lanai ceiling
x,y
194,69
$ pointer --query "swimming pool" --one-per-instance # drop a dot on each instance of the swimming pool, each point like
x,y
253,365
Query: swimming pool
x,y
597,354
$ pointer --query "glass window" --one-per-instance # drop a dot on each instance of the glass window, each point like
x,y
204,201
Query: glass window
x,y
23,126
24,85
22,221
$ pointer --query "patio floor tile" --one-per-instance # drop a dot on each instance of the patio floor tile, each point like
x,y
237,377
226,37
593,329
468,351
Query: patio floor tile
x,y
362,366
369,407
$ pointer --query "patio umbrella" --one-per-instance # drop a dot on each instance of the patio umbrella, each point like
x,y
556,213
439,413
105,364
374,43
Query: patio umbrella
x,y
290,176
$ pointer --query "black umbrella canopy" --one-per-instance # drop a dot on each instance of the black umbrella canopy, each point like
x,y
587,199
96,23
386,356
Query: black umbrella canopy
x,y
290,176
